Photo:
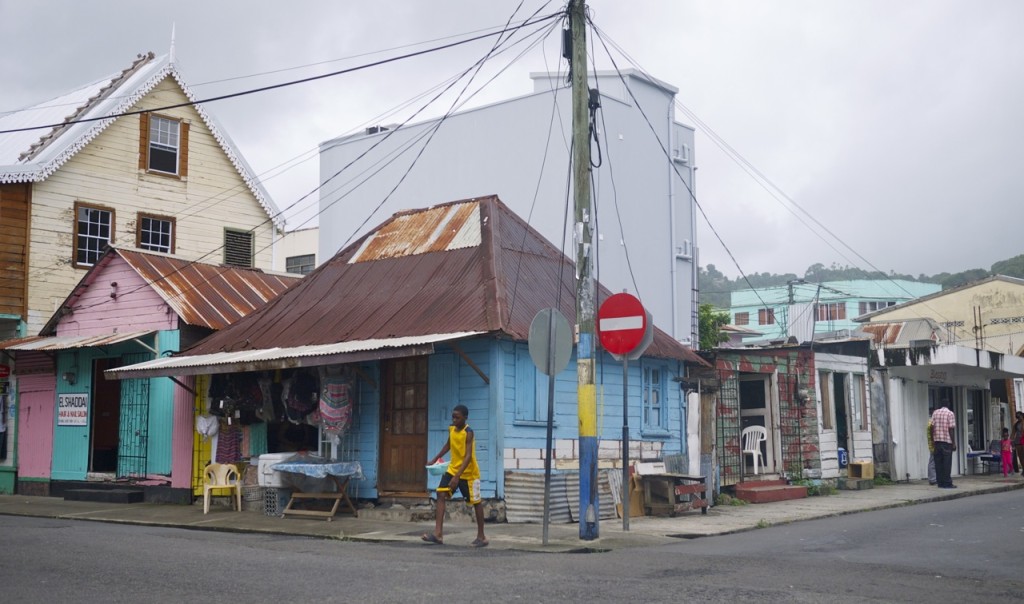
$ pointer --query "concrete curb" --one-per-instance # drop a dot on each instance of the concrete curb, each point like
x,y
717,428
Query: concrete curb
x,y
644,531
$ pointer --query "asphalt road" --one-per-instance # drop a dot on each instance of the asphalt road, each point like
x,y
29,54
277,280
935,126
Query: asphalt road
x,y
970,549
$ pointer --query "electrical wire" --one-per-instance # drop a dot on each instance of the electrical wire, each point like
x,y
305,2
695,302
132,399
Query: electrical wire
x,y
476,65
671,163
282,84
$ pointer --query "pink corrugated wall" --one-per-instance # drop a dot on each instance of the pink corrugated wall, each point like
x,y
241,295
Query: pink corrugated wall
x,y
135,307
36,396
182,434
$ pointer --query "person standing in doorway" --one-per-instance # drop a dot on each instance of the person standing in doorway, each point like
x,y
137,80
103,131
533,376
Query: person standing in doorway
x,y
1017,438
944,436
463,476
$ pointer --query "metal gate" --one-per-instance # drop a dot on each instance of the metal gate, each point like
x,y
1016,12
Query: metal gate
x,y
133,453
730,458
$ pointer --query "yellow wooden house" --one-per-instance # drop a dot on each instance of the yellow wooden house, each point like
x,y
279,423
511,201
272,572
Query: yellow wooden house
x,y
127,159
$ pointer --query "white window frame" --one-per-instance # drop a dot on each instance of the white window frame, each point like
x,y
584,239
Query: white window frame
x,y
86,255
164,138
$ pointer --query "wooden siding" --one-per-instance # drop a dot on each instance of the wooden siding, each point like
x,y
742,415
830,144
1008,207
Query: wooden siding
x,y
137,306
525,440
107,172
14,210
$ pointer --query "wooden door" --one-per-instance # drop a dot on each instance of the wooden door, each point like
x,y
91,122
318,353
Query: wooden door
x,y
403,439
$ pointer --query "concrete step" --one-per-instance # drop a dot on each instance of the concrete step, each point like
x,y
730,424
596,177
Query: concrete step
x,y
105,495
770,493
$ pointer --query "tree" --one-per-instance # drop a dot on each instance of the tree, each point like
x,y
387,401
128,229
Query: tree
x,y
1012,267
711,321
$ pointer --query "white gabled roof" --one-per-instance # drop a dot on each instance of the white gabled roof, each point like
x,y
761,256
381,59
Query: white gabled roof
x,y
34,155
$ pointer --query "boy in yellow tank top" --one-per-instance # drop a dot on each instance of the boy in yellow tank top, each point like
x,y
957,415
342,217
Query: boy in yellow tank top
x,y
463,475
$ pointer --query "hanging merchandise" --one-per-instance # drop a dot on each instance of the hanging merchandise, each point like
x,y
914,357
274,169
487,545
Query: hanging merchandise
x,y
207,426
302,395
249,396
335,401
266,410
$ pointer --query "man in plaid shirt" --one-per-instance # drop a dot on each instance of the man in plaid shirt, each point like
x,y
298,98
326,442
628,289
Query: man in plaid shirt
x,y
944,435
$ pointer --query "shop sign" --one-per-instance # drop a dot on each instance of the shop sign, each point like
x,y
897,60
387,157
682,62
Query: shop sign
x,y
73,409
5,371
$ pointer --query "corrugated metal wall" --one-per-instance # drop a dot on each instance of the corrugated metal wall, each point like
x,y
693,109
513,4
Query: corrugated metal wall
x,y
36,404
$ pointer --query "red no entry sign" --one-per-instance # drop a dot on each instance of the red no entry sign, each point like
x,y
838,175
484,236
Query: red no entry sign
x,y
621,322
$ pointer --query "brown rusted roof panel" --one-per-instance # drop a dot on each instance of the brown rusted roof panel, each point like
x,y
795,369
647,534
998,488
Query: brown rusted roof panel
x,y
205,294
436,229
466,266
884,333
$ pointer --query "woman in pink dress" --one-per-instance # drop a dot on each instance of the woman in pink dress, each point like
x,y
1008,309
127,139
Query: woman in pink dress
x,y
1006,447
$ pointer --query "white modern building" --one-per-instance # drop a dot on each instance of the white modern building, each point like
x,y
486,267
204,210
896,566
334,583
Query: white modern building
x,y
519,149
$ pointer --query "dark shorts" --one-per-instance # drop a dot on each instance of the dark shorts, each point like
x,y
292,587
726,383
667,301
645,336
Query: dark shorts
x,y
469,489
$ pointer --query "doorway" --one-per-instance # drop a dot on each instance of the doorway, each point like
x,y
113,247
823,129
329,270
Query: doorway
x,y
106,412
403,421
756,410
839,390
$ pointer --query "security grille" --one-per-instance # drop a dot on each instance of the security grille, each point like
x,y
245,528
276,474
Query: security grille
x,y
133,434
730,458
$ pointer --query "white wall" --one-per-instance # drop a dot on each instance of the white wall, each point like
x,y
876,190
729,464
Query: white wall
x,y
296,243
500,149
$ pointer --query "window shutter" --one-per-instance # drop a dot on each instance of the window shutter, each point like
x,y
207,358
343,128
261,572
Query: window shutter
x,y
238,248
143,140
183,150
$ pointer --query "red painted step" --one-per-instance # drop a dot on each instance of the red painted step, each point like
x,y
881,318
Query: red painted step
x,y
767,491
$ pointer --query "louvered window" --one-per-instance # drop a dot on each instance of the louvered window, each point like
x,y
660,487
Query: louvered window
x,y
238,248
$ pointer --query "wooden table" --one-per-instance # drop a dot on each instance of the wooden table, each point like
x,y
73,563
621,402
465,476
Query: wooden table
x,y
314,476
340,496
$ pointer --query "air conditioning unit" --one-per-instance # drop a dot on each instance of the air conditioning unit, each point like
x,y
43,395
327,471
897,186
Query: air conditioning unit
x,y
684,251
681,154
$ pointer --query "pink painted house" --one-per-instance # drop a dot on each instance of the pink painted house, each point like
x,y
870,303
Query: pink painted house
x,y
75,425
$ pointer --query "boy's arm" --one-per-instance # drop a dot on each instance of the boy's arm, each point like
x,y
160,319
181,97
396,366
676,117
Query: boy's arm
x,y
444,449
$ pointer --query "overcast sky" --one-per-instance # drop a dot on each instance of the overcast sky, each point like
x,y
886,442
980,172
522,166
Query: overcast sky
x,y
897,126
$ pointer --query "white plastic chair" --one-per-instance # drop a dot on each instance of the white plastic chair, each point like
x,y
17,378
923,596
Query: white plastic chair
x,y
222,476
752,437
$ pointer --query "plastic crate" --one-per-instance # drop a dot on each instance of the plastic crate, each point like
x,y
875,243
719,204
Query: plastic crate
x,y
252,493
275,500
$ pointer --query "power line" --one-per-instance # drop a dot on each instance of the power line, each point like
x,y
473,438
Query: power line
x,y
284,84
669,158
478,64
762,180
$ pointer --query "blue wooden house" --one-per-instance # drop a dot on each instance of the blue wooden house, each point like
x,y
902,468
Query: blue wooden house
x,y
432,309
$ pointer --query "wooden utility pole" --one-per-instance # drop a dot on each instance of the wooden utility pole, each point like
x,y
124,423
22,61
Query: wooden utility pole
x,y
585,287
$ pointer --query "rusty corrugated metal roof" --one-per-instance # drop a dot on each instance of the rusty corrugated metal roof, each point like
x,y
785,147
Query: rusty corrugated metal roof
x,y
901,333
465,266
204,295
207,295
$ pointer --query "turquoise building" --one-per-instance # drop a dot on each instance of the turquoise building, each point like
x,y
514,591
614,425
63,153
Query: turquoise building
x,y
802,308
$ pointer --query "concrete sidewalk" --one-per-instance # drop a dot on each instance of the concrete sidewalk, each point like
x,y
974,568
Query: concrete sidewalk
x,y
643,531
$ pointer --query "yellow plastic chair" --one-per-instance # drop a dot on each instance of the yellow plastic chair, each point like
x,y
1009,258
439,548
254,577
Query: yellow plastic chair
x,y
222,476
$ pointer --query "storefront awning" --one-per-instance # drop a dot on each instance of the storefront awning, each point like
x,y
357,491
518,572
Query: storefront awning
x,y
57,343
958,366
284,358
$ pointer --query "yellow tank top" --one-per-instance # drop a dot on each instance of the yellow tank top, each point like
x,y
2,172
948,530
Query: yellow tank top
x,y
457,445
